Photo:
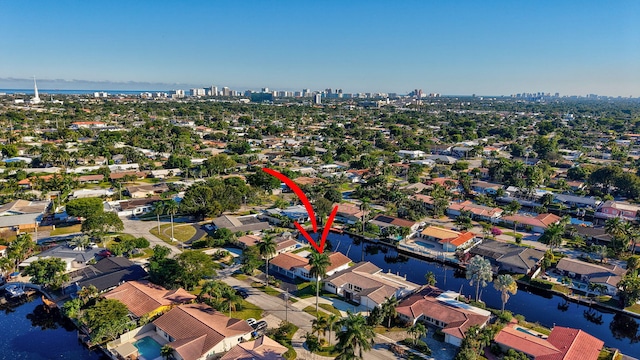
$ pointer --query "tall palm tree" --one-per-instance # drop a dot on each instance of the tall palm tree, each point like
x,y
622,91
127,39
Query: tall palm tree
x,y
479,272
418,330
6,265
319,263
267,249
159,208
171,207
331,325
505,284
319,326
388,308
355,338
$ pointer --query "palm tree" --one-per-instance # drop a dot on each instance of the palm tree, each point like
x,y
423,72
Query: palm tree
x,y
319,326
171,207
332,322
479,272
6,265
355,338
430,277
87,292
166,352
389,309
418,330
615,227
319,263
553,235
80,241
267,248
159,208
505,284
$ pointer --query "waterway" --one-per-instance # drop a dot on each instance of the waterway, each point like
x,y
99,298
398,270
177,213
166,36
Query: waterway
x,y
616,330
29,332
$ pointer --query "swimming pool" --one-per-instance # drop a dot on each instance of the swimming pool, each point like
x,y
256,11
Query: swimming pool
x,y
425,244
148,348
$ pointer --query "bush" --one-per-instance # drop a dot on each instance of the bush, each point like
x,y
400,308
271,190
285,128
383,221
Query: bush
x,y
141,243
505,316
418,345
496,231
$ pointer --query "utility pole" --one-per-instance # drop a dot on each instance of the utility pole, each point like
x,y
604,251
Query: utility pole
x,y
286,305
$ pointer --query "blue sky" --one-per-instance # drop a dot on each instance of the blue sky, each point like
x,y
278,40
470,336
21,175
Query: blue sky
x,y
449,47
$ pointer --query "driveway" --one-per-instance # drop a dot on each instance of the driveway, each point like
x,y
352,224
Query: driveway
x,y
139,228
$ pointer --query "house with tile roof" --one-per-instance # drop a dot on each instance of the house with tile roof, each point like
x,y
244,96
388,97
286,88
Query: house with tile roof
x,y
245,223
538,223
197,331
262,348
563,343
478,212
293,265
438,308
603,274
146,298
348,213
367,285
385,221
451,240
612,209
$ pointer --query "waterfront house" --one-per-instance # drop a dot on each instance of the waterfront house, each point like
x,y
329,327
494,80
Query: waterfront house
x,y
367,285
612,209
537,224
297,213
348,213
563,343
143,191
105,275
197,331
385,221
73,258
262,348
293,265
603,274
576,201
485,188
592,235
145,298
509,257
441,309
451,240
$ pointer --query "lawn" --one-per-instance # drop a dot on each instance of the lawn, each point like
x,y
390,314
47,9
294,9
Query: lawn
x,y
311,309
240,276
249,310
63,230
181,232
380,329
266,289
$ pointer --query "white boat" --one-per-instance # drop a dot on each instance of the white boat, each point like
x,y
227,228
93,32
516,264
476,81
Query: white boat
x,y
14,290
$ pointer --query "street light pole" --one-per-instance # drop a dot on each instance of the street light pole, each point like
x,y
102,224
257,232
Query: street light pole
x,y
286,306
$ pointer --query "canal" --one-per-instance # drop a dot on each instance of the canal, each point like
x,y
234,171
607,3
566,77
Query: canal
x,y
617,331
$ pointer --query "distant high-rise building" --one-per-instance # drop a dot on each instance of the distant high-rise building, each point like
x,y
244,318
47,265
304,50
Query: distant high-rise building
x,y
212,91
197,92
306,92
226,91
177,94
317,99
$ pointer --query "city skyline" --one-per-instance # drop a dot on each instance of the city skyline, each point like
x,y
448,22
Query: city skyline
x,y
453,49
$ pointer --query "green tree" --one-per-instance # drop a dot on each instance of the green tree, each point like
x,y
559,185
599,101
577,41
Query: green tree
x,y
262,180
219,163
355,338
629,289
333,195
159,253
479,272
158,210
418,330
102,223
106,319
49,272
195,266
430,277
166,352
388,308
267,249
506,285
552,236
171,207
319,263
332,324
250,259
84,207
319,325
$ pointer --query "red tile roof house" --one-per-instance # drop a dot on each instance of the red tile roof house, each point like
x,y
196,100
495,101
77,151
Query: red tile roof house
x,y
197,331
611,209
262,348
477,211
538,224
143,297
293,265
348,213
562,344
435,307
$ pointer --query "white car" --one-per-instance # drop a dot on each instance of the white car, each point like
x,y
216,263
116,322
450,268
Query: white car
x,y
208,227
251,321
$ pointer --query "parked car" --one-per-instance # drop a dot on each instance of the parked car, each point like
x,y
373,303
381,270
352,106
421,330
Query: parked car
x,y
105,253
260,325
208,227
241,292
251,321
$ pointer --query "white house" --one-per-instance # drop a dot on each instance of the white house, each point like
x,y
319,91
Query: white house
x,y
293,265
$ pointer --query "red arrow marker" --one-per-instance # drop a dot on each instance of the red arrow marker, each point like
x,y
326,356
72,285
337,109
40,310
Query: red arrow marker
x,y
293,186
325,232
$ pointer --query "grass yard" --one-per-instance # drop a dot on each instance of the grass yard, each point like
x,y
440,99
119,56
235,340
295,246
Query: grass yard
x,y
240,276
380,329
63,230
181,232
311,309
249,310
266,289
